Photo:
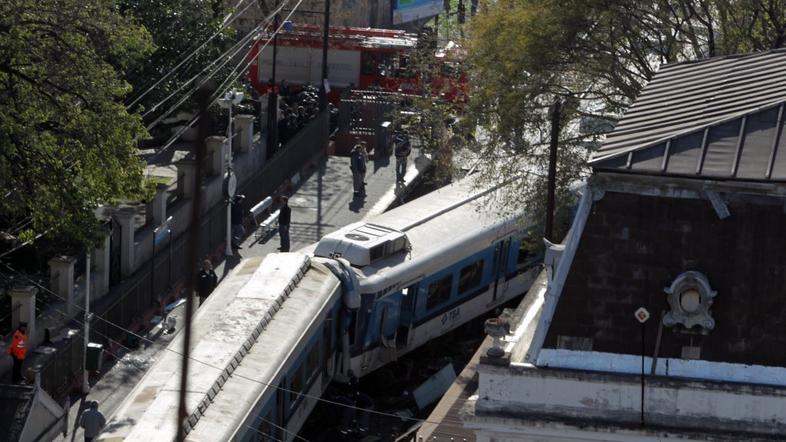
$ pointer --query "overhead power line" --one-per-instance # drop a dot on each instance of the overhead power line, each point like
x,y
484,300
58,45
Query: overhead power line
x,y
224,25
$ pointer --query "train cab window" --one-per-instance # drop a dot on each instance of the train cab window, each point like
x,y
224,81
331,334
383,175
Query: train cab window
x,y
470,276
439,291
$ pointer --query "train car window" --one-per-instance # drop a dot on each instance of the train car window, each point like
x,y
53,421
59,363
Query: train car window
x,y
312,362
369,62
439,291
267,432
296,388
470,276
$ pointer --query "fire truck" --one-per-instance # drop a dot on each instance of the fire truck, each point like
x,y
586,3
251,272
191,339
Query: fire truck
x,y
358,58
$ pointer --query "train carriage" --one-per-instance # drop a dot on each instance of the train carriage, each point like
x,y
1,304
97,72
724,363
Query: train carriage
x,y
278,330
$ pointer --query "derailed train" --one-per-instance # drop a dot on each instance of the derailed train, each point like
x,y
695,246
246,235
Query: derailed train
x,y
278,330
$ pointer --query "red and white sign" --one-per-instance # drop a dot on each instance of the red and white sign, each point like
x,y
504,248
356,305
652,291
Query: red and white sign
x,y
642,315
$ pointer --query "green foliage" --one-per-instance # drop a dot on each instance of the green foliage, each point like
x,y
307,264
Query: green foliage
x,y
178,28
594,56
67,143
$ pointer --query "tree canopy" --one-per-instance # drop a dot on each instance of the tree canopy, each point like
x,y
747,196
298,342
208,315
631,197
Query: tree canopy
x,y
594,57
179,28
67,143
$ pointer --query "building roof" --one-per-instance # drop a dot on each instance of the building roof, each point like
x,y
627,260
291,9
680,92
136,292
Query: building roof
x,y
15,404
718,118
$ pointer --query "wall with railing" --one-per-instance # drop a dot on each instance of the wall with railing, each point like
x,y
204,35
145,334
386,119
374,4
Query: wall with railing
x,y
160,263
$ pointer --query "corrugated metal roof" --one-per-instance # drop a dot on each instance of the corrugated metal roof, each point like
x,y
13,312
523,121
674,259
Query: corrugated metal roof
x,y
720,117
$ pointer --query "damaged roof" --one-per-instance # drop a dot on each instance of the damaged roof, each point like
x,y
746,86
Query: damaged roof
x,y
717,118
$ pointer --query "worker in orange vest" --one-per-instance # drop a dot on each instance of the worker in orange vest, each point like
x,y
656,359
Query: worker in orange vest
x,y
18,351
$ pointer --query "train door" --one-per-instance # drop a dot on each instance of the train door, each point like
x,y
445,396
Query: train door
x,y
406,316
500,264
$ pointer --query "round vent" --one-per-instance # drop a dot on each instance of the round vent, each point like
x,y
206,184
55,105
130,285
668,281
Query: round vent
x,y
357,237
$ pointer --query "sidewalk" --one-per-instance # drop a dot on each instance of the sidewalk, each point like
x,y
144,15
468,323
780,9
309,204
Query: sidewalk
x,y
321,203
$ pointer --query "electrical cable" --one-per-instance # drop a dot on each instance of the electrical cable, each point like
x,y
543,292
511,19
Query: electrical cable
x,y
194,119
237,47
280,428
193,53
209,365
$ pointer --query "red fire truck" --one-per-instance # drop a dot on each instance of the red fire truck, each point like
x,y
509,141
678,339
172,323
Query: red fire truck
x,y
362,58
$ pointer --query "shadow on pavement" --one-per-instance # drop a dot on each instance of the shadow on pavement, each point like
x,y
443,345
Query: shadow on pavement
x,y
231,262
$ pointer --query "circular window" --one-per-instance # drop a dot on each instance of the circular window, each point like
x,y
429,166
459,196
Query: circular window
x,y
690,300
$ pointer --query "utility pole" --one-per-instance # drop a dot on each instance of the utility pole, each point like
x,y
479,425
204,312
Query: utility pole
x,y
325,38
230,99
552,177
272,104
86,373
203,97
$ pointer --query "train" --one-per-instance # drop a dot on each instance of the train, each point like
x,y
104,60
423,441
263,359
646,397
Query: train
x,y
279,329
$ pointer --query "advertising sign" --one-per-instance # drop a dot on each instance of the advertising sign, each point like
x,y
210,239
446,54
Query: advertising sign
x,y
409,10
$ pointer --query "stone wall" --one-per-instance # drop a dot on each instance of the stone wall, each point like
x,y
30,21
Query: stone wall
x,y
633,246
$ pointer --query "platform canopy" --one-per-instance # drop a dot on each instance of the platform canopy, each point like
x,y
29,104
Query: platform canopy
x,y
719,118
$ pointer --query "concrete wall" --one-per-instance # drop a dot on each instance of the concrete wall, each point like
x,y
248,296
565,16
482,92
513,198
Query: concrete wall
x,y
633,246
613,401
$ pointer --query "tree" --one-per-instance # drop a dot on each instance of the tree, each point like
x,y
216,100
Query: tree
x,y
593,56
67,143
178,28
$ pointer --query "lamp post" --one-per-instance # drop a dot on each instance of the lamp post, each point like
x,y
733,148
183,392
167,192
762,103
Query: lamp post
x,y
230,99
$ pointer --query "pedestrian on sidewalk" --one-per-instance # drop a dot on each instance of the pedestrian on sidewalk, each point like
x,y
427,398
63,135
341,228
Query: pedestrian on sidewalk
x,y
284,217
207,280
357,164
238,231
92,421
403,149
18,351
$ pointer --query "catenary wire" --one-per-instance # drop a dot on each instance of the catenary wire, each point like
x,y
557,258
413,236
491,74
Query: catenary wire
x,y
215,70
195,118
193,53
207,364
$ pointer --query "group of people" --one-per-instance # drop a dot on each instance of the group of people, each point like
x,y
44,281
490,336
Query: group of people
x,y
358,158
296,110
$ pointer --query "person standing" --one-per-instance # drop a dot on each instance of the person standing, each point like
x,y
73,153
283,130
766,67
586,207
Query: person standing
x,y
284,217
92,421
358,166
238,231
402,151
207,281
18,351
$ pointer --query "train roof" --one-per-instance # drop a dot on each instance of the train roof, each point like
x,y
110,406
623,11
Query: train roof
x,y
418,237
245,328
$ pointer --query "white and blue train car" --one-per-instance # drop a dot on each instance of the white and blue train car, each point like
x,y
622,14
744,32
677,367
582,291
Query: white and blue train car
x,y
262,351
427,267
278,330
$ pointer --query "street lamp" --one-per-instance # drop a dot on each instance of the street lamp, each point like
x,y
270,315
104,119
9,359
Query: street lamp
x,y
230,99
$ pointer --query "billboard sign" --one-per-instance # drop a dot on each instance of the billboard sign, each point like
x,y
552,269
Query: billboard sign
x,y
410,10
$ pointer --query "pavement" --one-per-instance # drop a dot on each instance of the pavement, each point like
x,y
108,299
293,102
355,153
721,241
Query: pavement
x,y
322,202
